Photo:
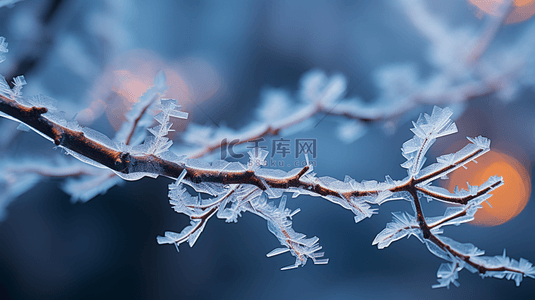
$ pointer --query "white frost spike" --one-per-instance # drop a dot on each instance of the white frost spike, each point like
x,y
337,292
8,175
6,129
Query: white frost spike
x,y
280,224
42,101
3,45
178,114
23,127
447,159
182,175
471,151
442,124
362,210
517,269
257,158
383,196
481,142
168,238
5,91
294,266
389,181
294,212
277,251
18,83
194,236
402,225
310,170
160,144
447,273
426,129
3,48
190,233
140,115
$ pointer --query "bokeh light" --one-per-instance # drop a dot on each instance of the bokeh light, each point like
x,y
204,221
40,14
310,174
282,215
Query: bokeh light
x,y
521,10
125,80
509,199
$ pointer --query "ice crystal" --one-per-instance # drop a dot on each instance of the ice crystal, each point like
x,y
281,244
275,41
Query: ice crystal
x,y
160,143
3,48
426,130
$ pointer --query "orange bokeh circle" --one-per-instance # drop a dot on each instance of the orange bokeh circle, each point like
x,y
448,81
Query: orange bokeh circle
x,y
521,10
509,199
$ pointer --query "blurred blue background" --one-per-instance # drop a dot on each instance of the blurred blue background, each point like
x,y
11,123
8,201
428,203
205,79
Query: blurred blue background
x,y
222,55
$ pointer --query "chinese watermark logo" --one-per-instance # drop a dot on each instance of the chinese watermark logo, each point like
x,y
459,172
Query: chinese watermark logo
x,y
280,147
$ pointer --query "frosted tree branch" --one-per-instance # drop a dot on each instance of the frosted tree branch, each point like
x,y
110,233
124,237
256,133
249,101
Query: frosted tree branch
x,y
461,76
238,189
234,188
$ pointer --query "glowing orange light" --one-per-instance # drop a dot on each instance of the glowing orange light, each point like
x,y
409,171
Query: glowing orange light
x,y
129,86
521,10
509,199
